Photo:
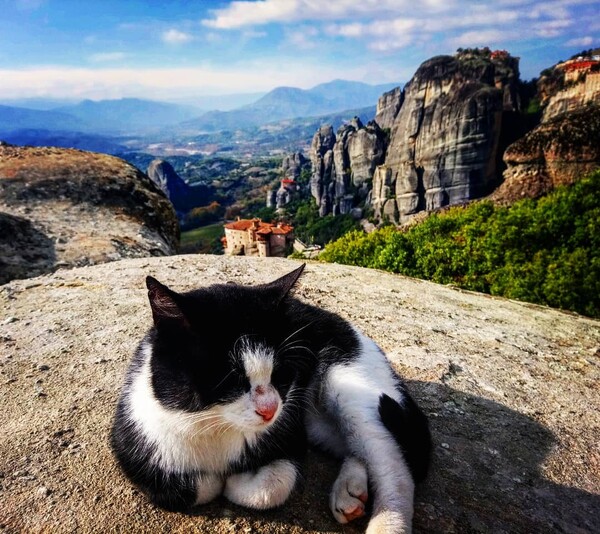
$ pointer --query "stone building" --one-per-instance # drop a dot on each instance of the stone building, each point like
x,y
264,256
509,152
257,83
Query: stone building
x,y
252,237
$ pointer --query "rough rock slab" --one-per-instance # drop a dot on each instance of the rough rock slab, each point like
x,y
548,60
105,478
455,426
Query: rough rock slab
x,y
511,389
62,207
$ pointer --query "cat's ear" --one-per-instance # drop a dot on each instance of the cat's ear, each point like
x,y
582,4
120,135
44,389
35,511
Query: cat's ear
x,y
283,285
163,301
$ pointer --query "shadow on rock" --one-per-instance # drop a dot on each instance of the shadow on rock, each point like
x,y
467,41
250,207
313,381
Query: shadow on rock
x,y
486,471
24,251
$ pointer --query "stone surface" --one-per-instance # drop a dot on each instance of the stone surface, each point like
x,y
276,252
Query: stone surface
x,y
511,390
63,207
445,138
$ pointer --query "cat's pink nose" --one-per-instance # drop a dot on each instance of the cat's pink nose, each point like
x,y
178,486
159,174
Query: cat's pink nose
x,y
267,412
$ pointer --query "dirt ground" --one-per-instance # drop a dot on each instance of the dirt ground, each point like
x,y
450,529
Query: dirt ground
x,y
511,391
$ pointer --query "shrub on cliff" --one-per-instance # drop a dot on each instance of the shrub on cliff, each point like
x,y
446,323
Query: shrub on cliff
x,y
544,251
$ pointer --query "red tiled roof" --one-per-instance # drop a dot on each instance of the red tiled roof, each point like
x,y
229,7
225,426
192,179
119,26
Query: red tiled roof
x,y
262,228
577,65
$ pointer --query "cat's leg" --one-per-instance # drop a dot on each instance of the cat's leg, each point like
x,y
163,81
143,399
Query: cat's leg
x,y
363,397
350,491
208,487
268,487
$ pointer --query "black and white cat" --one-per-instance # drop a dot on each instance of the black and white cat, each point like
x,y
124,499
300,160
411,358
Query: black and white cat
x,y
232,382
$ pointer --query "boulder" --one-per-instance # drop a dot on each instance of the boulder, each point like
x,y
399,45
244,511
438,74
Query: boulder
x,y
510,389
63,208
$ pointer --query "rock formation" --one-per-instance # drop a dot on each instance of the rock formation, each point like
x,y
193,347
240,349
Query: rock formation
x,y
182,196
510,389
66,208
293,165
559,151
343,165
566,144
290,186
570,85
445,135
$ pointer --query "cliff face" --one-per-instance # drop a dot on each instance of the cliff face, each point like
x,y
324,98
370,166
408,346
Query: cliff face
x,y
66,208
436,142
445,135
566,144
559,151
344,165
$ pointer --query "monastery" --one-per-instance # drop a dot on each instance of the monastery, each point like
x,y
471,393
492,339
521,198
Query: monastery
x,y
252,237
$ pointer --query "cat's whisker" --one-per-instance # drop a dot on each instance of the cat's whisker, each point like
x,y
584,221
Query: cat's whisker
x,y
296,332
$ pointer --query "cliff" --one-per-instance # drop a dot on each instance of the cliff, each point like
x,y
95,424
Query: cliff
x,y
343,165
183,196
290,186
445,134
66,208
559,151
510,390
436,142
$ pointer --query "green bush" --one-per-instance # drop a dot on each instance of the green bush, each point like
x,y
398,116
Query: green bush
x,y
545,251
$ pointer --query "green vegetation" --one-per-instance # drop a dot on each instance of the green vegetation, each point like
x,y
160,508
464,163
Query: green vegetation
x,y
312,229
204,240
544,251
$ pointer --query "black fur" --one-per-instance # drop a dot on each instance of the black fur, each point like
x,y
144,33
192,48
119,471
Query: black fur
x,y
410,429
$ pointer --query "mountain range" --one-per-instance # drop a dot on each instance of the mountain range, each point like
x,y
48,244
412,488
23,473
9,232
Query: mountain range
x,y
291,102
154,120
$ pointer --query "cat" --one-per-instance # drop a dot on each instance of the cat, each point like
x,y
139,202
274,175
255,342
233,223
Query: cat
x,y
232,383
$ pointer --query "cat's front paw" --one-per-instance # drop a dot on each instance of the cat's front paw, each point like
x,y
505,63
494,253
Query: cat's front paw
x,y
268,487
350,491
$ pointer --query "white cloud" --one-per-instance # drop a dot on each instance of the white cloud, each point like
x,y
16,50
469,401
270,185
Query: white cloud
x,y
168,83
304,38
246,13
173,36
580,41
105,57
488,37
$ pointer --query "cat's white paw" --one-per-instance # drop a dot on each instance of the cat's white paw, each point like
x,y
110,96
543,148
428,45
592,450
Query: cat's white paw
x,y
350,491
268,487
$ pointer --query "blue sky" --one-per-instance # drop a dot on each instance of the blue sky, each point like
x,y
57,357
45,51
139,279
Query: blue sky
x,y
173,50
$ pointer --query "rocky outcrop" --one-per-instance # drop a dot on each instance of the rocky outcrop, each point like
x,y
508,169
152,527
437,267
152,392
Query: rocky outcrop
x,y
388,106
343,165
293,165
291,186
66,208
445,135
510,389
559,151
570,85
182,196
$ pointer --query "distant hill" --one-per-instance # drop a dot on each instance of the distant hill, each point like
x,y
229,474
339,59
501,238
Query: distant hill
x,y
290,102
14,118
65,139
129,115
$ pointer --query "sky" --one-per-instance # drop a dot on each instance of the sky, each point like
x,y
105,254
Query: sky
x,y
175,50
